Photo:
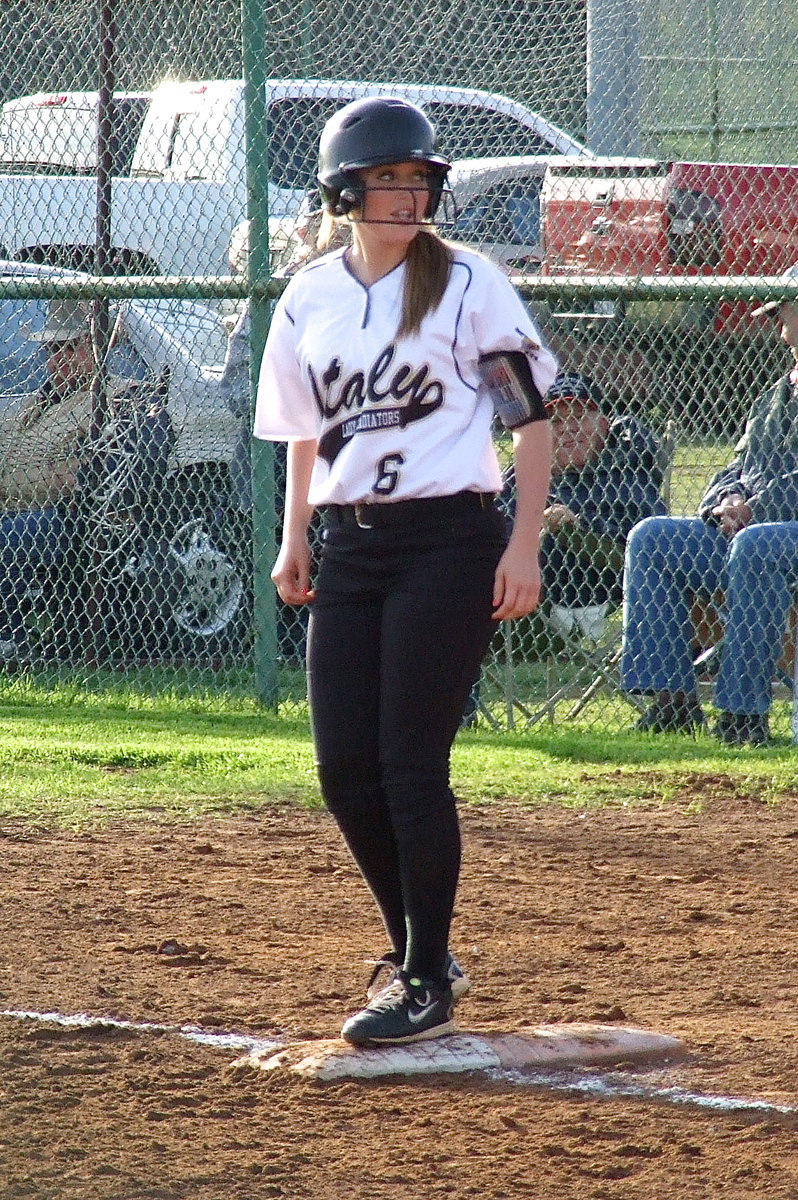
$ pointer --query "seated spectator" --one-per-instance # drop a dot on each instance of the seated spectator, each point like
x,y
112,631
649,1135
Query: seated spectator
x,y
743,544
606,476
43,445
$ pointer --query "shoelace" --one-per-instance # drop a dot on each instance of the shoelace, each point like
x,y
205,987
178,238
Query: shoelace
x,y
379,965
396,990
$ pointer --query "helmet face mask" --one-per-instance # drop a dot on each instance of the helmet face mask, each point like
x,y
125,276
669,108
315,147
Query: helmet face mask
x,y
373,132
425,199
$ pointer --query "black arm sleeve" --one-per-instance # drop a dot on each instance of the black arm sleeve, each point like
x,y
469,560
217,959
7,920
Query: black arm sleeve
x,y
507,376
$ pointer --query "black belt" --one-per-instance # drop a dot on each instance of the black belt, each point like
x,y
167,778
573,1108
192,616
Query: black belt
x,y
406,512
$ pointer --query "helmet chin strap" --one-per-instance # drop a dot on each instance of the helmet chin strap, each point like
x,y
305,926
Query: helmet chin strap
x,y
425,221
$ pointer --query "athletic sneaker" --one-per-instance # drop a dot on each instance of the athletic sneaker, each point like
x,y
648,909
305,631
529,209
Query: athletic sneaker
x,y
408,1010
387,967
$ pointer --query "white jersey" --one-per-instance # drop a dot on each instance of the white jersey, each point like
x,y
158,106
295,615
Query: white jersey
x,y
395,419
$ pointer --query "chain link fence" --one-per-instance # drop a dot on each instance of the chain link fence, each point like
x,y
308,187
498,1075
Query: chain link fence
x,y
719,81
126,339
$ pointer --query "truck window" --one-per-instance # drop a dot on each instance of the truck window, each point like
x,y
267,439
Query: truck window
x,y
128,119
293,126
59,137
507,212
188,143
694,223
469,131
46,140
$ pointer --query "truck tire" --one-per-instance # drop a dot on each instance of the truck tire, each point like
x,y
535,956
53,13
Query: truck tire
x,y
208,593
200,592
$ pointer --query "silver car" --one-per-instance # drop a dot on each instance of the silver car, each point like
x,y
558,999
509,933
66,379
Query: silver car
x,y
498,207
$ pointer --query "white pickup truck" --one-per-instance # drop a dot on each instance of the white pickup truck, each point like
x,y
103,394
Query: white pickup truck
x,y
186,190
55,133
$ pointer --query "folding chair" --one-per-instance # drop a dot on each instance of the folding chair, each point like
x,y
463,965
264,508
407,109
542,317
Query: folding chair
x,y
594,654
590,653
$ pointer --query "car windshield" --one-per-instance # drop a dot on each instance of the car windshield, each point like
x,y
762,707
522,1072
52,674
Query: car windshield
x,y
508,212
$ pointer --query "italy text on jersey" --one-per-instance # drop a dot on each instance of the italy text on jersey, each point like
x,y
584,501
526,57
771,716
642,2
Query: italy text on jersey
x,y
394,418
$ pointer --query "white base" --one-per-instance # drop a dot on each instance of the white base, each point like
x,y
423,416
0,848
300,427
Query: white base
x,y
548,1047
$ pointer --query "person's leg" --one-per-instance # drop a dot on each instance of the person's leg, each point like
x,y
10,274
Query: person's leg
x,y
343,666
668,560
436,629
28,540
416,590
762,580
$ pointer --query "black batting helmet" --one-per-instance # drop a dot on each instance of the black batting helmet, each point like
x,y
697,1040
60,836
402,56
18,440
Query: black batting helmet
x,y
373,132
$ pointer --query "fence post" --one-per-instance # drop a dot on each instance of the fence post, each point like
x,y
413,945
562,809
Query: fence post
x,y
102,243
613,76
254,62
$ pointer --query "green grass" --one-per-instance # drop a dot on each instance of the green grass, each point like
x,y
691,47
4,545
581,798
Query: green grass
x,y
146,743
694,464
584,768
75,758
76,749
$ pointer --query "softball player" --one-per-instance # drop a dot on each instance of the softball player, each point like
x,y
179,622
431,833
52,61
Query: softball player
x,y
383,368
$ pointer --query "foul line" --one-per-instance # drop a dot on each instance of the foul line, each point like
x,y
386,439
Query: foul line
x,y
605,1087
192,1033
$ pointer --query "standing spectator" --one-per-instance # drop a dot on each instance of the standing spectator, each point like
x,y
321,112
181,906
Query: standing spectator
x,y
234,383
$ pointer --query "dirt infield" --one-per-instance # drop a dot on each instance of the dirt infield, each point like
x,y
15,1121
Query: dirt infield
x,y
680,918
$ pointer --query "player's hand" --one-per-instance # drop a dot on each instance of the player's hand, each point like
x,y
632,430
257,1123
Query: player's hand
x,y
291,573
732,514
516,587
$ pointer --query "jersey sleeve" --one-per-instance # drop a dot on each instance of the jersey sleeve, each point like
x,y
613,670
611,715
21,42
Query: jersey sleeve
x,y
502,323
284,409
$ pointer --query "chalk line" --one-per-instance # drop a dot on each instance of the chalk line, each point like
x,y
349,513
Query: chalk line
x,y
602,1085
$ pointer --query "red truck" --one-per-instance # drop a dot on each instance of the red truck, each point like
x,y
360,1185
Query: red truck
x,y
645,217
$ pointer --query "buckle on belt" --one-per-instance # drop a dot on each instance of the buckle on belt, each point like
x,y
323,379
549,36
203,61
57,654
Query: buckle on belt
x,y
361,511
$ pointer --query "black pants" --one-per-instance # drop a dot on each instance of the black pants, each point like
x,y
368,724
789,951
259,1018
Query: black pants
x,y
401,621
